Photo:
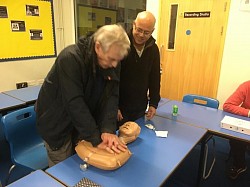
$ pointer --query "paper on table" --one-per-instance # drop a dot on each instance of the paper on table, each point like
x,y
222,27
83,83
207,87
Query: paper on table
x,y
162,134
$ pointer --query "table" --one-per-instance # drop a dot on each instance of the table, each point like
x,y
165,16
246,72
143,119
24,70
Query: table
x,y
37,178
163,101
28,95
8,103
203,117
153,159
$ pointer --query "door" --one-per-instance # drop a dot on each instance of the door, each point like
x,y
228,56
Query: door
x,y
191,46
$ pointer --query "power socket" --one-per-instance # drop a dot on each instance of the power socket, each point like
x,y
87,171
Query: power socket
x,y
21,85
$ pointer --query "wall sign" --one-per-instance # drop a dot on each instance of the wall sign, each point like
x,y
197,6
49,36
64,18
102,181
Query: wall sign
x,y
197,14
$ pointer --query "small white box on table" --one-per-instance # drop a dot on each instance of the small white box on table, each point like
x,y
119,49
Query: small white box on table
x,y
236,124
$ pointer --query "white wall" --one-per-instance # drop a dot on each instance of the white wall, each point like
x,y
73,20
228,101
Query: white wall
x,y
153,6
235,63
236,57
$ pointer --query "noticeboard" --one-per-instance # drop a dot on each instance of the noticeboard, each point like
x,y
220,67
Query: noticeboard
x,y
27,29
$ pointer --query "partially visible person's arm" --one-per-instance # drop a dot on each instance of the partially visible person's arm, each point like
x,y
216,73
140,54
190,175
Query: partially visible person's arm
x,y
151,112
119,115
108,113
154,80
238,102
71,77
111,143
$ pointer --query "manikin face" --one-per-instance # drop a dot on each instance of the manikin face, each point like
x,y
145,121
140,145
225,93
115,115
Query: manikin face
x,y
109,59
128,127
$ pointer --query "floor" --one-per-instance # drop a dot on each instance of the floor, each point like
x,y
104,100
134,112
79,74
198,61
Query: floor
x,y
184,176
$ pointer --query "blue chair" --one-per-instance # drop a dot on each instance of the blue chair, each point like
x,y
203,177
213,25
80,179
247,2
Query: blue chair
x,y
26,146
201,100
212,103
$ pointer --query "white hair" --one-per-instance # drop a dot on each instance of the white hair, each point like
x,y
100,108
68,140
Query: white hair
x,y
108,35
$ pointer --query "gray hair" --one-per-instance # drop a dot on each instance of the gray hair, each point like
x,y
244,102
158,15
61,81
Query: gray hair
x,y
108,35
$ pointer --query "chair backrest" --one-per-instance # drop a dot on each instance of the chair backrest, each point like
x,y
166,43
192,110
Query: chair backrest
x,y
201,100
21,134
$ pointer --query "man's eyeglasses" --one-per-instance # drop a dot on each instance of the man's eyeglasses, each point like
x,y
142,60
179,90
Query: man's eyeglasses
x,y
141,31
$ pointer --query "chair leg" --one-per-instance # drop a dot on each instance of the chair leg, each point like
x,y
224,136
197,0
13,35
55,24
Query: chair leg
x,y
205,176
8,177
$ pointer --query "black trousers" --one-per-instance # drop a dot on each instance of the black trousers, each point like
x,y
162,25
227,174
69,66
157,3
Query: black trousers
x,y
238,151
